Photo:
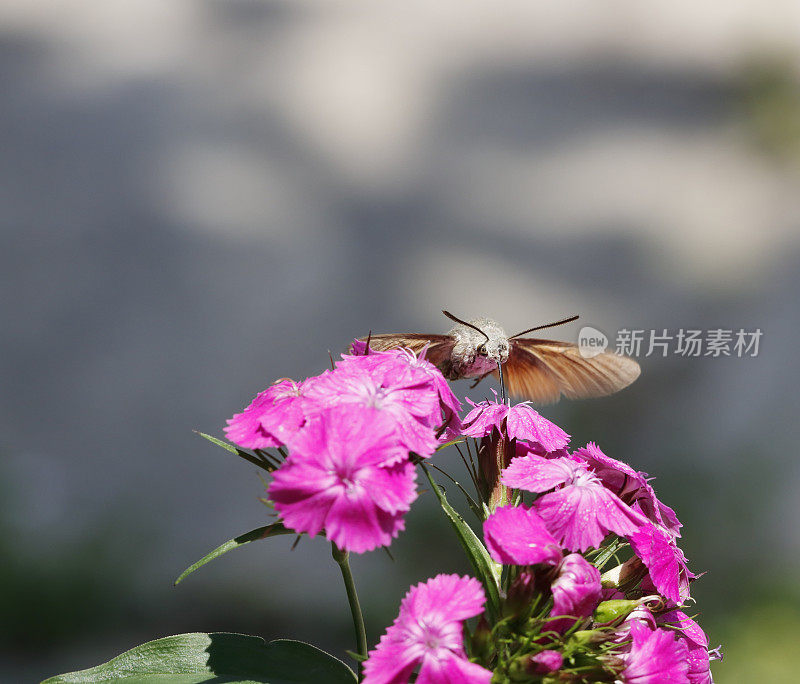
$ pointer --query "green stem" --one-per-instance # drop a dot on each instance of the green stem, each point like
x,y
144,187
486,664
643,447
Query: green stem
x,y
341,557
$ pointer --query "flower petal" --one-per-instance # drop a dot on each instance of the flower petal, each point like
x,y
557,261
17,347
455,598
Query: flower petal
x,y
453,669
516,535
524,422
538,474
356,524
577,589
696,641
580,517
655,656
664,560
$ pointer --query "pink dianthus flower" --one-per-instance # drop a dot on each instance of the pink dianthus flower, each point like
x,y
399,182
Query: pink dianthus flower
x,y
580,511
411,402
343,476
655,656
402,367
271,418
519,422
428,633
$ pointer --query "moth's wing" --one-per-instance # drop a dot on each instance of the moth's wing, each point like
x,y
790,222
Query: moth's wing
x,y
543,370
439,346
413,341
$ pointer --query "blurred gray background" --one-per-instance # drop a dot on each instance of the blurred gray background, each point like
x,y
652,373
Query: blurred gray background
x,y
198,197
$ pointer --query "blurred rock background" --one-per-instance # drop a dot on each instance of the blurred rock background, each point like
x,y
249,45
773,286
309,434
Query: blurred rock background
x,y
197,197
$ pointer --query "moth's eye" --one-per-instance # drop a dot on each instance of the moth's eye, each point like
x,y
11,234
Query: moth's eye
x,y
482,350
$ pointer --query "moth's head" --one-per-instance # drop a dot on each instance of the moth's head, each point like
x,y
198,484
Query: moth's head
x,y
496,347
484,336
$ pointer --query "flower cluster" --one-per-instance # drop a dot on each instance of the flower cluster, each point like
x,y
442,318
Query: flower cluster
x,y
553,519
625,623
349,433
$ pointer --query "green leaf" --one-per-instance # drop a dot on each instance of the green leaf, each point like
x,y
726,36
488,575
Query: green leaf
x,y
451,443
473,505
486,570
272,530
217,657
605,553
255,460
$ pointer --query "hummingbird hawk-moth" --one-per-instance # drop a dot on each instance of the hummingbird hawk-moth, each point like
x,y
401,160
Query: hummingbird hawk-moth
x,y
536,369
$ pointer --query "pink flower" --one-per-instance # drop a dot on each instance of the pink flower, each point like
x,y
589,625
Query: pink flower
x,y
402,367
411,403
338,478
581,511
518,422
516,535
631,486
546,662
665,561
696,641
271,418
576,590
428,633
655,656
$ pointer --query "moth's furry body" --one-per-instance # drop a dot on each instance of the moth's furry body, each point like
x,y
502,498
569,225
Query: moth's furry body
x,y
465,361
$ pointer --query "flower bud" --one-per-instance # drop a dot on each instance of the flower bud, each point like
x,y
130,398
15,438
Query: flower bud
x,y
614,610
584,637
481,641
520,593
494,454
546,662
576,590
624,575
521,669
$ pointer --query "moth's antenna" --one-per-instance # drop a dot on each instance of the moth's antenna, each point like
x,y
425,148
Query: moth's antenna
x,y
366,349
469,325
548,325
